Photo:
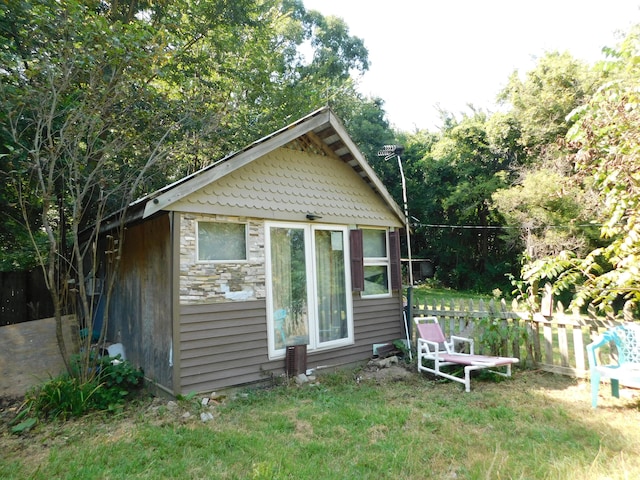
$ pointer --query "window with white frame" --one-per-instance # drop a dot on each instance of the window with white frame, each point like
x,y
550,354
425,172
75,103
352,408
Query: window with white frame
x,y
221,242
375,247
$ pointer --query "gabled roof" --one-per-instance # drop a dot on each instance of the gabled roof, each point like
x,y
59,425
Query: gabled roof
x,y
321,128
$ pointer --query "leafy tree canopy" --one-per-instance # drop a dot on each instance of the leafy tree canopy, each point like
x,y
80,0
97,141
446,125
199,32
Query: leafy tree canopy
x,y
95,92
606,131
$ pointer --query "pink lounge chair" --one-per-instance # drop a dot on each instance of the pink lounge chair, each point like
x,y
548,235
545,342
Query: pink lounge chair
x,y
434,348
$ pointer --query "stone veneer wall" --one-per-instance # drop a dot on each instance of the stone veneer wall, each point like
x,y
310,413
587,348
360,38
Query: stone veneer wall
x,y
207,282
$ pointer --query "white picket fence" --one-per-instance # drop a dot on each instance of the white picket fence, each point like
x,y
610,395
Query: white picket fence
x,y
554,343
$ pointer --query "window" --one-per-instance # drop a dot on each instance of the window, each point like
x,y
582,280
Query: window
x,y
220,242
308,298
376,262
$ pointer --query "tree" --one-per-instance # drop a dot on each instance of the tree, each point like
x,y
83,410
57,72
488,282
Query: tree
x,y
78,92
459,172
105,102
606,133
547,208
540,104
547,214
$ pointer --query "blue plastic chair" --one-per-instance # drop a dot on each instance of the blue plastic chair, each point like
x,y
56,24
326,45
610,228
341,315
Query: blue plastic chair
x,y
625,370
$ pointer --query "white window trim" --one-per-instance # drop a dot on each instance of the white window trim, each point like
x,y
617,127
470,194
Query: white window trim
x,y
246,243
378,262
314,335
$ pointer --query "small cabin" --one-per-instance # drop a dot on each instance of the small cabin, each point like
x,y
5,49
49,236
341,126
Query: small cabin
x,y
290,241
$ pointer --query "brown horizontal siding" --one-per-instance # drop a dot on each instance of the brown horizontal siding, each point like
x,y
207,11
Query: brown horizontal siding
x,y
193,348
225,345
220,336
375,321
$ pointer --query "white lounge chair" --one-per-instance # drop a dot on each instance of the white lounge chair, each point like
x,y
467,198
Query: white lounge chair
x,y
435,352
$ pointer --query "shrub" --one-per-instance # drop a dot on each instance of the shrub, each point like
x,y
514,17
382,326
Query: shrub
x,y
497,335
67,396
62,396
117,379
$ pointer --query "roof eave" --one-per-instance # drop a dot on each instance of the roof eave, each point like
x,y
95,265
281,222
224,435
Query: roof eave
x,y
235,161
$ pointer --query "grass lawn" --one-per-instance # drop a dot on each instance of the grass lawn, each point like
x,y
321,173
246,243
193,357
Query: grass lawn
x,y
423,293
533,426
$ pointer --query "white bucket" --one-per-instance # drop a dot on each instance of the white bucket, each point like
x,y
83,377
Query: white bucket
x,y
115,349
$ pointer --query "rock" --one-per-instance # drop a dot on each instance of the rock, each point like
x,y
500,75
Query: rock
x,y
385,362
301,379
205,401
171,405
218,397
206,416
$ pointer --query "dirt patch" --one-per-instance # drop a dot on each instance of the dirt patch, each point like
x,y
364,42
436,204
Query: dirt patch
x,y
386,370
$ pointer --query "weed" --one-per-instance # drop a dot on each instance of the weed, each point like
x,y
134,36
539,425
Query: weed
x,y
495,335
68,396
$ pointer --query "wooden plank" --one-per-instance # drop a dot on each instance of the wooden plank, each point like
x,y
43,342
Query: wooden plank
x,y
515,344
579,348
450,328
563,344
141,308
29,353
548,343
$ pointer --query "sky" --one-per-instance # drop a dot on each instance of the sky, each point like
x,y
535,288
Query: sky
x,y
447,54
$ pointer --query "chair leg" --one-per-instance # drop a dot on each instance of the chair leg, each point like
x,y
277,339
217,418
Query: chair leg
x,y
615,388
467,378
595,386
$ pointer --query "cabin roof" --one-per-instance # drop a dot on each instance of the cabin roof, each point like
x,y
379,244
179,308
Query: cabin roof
x,y
320,129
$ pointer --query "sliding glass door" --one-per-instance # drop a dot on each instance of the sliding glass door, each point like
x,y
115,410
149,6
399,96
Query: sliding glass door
x,y
307,278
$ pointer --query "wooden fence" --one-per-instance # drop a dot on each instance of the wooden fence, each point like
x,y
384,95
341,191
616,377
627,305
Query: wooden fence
x,y
554,343
24,297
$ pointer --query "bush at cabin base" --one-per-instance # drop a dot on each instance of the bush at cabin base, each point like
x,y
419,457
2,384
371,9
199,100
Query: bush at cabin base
x,y
68,396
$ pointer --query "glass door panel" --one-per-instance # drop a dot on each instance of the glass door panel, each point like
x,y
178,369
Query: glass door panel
x,y
289,286
331,291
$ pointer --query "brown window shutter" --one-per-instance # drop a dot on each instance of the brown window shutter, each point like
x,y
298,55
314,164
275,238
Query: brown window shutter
x,y
357,261
396,263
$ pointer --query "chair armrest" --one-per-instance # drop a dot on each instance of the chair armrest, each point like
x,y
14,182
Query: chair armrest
x,y
467,340
432,347
600,341
591,354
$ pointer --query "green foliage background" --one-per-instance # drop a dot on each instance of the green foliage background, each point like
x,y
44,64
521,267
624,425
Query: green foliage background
x,y
94,93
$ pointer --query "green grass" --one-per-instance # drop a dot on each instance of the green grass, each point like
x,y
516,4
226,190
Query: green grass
x,y
533,426
423,293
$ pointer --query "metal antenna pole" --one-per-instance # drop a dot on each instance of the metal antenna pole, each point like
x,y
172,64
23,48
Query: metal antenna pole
x,y
388,152
406,217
